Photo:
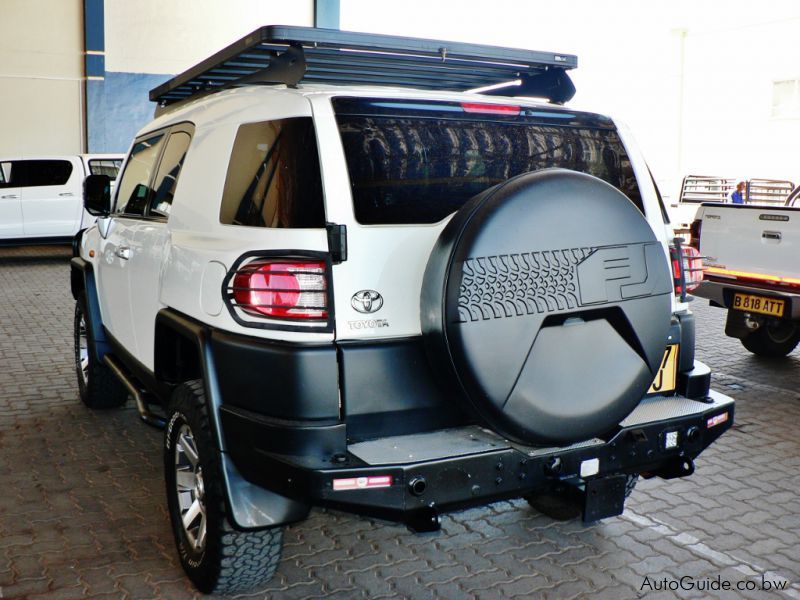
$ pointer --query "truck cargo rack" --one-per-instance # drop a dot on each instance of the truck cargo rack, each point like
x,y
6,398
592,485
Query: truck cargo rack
x,y
288,55
697,189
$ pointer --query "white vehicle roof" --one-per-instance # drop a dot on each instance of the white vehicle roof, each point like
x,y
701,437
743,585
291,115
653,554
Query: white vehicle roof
x,y
245,104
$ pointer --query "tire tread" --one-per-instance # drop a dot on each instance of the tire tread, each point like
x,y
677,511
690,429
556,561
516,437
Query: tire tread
x,y
246,559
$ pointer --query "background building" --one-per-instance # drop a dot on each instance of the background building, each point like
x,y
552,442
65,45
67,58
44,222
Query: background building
x,y
707,88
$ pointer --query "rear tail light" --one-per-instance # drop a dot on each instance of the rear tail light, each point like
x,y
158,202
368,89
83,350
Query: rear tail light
x,y
294,289
687,268
694,233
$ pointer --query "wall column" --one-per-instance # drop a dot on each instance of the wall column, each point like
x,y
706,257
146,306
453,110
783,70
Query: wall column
x,y
95,71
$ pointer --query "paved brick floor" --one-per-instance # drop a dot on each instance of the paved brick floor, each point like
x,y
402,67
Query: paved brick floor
x,y
82,509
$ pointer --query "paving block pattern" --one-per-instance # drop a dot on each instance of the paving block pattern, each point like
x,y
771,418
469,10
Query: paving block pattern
x,y
83,513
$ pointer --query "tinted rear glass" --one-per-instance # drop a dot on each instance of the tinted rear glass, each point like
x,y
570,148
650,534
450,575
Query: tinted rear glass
x,y
419,161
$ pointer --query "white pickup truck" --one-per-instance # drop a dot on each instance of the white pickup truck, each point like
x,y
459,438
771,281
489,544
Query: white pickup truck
x,y
41,198
751,268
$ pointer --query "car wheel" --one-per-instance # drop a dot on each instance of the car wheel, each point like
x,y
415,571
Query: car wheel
x,y
97,384
773,340
215,556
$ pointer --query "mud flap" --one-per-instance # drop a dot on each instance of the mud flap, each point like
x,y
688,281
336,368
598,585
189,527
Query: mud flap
x,y
735,326
603,498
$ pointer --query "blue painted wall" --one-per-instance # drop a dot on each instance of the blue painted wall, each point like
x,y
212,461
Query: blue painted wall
x,y
117,104
117,107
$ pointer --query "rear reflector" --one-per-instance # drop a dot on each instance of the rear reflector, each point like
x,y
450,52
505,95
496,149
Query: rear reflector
x,y
716,420
283,289
362,483
490,109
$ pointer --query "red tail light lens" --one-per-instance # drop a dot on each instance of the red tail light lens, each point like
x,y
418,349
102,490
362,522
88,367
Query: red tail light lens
x,y
687,269
282,289
490,109
692,267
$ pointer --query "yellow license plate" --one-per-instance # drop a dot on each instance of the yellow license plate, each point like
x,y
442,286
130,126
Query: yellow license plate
x,y
759,304
667,377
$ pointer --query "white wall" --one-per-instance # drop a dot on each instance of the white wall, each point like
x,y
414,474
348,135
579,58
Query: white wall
x,y
41,70
168,36
629,65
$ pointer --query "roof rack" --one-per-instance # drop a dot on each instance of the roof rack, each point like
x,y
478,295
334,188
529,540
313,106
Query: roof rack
x,y
293,55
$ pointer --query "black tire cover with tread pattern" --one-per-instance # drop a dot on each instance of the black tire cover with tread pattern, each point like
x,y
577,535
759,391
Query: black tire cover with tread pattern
x,y
547,301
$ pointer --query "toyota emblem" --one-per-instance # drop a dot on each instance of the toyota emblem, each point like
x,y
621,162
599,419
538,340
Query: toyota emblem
x,y
367,301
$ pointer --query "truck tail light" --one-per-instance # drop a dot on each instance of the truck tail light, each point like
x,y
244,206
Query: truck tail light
x,y
293,289
694,233
687,268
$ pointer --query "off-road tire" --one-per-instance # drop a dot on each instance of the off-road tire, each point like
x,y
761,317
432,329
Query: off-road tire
x,y
99,388
231,560
773,341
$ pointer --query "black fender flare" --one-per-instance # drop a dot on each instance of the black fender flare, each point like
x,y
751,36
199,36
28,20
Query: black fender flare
x,y
82,281
249,506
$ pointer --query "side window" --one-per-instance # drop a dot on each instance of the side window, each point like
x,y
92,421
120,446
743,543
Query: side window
x,y
273,176
40,173
5,174
105,166
168,171
134,187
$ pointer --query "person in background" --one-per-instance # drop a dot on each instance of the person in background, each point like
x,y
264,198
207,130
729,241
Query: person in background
x,y
737,197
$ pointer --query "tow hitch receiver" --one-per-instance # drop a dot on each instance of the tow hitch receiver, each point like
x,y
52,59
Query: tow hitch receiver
x,y
603,497
423,520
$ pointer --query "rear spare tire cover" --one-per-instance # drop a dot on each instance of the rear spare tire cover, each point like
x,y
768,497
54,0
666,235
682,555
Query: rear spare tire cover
x,y
546,300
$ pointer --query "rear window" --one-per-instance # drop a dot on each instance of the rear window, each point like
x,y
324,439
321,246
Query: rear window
x,y
419,161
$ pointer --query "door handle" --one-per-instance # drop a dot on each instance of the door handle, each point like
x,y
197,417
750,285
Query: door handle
x,y
771,235
10,196
62,194
123,252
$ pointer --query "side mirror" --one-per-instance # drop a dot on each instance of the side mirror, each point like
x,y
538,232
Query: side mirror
x,y
97,195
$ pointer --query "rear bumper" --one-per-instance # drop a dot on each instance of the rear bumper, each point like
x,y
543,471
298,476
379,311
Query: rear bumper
x,y
403,477
721,294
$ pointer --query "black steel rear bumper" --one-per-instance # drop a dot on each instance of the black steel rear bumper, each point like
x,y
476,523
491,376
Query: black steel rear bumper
x,y
411,478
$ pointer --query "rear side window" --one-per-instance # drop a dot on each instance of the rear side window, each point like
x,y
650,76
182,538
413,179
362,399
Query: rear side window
x,y
5,174
273,177
168,172
105,166
419,161
134,187
36,173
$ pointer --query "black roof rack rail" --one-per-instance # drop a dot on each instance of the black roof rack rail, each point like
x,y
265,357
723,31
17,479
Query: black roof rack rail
x,y
292,55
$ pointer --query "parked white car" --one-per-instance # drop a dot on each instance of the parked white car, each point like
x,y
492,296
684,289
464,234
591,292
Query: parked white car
x,y
41,198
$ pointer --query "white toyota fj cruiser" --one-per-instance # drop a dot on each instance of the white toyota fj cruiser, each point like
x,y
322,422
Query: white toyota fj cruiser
x,y
351,270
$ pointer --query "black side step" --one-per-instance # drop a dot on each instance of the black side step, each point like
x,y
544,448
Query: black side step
x,y
137,394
